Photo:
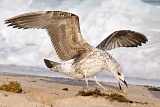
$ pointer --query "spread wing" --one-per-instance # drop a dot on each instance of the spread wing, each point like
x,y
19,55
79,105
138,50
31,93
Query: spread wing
x,y
62,27
122,38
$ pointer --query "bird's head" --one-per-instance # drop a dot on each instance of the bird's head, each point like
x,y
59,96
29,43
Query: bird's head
x,y
118,73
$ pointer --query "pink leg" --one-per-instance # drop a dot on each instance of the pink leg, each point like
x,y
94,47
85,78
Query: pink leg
x,y
86,79
86,82
99,83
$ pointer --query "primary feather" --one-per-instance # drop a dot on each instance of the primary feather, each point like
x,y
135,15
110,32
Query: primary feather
x,y
62,27
64,31
122,38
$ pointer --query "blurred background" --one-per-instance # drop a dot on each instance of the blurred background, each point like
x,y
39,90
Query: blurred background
x,y
98,19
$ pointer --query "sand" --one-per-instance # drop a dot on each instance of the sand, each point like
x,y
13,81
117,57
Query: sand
x,y
48,92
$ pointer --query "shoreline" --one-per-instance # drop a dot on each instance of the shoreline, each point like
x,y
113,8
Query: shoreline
x,y
43,91
36,71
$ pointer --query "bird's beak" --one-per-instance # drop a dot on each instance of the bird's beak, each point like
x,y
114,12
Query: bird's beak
x,y
124,83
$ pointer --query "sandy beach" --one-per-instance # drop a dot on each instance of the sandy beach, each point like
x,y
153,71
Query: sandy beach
x,y
61,92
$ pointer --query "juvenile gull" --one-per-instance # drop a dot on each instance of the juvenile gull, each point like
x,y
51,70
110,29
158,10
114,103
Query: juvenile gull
x,y
64,31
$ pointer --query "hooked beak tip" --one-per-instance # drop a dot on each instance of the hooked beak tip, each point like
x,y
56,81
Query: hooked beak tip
x,y
125,83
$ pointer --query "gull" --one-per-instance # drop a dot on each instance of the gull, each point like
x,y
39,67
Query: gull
x,y
63,29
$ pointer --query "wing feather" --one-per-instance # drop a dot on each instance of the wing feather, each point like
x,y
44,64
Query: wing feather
x,y
62,27
122,38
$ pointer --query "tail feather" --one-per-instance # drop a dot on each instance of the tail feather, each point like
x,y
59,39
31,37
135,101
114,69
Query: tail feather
x,y
50,64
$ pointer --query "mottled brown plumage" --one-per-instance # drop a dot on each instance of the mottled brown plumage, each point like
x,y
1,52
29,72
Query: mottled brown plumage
x,y
64,31
62,27
122,38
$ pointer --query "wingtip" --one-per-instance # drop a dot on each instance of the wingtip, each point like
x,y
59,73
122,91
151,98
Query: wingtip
x,y
6,21
9,22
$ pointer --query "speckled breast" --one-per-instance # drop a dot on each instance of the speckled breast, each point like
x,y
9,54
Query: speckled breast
x,y
93,63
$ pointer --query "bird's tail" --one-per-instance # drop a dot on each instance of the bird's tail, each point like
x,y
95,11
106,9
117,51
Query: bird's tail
x,y
50,64
66,68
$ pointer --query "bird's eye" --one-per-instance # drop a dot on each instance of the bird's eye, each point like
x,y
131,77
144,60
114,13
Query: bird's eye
x,y
119,73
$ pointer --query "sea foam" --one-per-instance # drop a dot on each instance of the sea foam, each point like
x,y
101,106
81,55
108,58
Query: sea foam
x,y
98,19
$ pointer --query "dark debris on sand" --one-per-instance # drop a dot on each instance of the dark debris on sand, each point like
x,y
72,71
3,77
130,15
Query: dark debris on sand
x,y
65,89
112,97
12,86
153,89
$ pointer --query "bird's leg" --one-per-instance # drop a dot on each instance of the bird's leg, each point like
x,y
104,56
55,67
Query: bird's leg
x,y
86,79
103,86
99,83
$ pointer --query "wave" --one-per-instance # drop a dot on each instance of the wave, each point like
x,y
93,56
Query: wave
x,y
98,19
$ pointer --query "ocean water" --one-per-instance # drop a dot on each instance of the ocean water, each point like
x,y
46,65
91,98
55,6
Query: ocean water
x,y
98,19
